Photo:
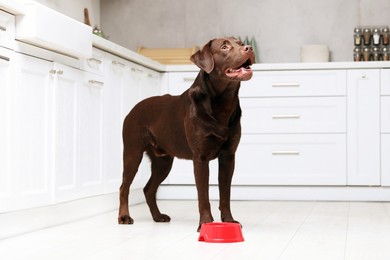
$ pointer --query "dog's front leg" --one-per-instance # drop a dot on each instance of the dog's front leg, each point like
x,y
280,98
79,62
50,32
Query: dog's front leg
x,y
201,171
226,163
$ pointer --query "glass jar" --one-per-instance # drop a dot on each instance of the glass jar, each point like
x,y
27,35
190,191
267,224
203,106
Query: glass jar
x,y
385,54
385,36
375,54
366,54
367,36
357,54
357,36
376,36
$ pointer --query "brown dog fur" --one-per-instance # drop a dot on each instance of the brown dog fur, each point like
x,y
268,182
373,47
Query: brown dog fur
x,y
200,125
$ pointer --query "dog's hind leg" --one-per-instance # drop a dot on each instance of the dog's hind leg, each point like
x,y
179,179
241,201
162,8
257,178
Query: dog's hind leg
x,y
161,166
131,161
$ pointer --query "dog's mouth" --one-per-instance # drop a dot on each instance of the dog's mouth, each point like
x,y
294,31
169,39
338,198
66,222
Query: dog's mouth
x,y
242,72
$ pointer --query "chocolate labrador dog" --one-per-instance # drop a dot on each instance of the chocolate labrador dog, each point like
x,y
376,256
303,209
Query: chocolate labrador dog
x,y
200,125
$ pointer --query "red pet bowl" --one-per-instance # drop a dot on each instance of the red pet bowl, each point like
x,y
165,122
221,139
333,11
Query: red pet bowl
x,y
221,232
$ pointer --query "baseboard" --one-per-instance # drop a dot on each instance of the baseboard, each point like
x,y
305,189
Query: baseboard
x,y
23,221
317,193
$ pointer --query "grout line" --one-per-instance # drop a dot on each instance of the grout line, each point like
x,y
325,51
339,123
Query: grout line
x,y
296,232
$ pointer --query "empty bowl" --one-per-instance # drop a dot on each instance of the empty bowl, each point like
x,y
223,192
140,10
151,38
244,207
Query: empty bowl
x,y
221,232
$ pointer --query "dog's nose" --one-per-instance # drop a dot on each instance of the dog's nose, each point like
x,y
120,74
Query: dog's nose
x,y
248,48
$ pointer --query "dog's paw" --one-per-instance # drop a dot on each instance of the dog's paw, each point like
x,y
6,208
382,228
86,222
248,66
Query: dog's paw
x,y
162,218
232,221
125,220
204,221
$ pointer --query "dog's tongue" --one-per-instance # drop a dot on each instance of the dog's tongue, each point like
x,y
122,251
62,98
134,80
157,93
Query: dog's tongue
x,y
240,73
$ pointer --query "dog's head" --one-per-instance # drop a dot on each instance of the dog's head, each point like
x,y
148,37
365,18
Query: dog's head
x,y
226,57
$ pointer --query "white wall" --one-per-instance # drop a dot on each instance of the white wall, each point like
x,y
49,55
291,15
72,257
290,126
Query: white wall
x,y
280,27
75,8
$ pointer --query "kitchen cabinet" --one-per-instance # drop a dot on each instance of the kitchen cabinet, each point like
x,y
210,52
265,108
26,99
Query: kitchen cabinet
x,y
31,136
78,128
63,127
6,177
363,127
293,124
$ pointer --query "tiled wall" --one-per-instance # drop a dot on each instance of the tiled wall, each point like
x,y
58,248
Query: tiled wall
x,y
280,27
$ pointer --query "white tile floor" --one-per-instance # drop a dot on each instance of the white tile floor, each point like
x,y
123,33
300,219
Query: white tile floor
x,y
272,230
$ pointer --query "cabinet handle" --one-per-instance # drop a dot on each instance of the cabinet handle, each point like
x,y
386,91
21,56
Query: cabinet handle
x,y
3,28
285,152
118,63
287,85
96,83
59,72
286,116
95,60
136,70
188,79
4,58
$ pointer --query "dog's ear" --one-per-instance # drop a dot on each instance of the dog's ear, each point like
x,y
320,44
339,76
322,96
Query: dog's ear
x,y
204,58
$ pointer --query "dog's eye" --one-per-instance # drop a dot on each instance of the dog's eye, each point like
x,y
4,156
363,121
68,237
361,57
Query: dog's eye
x,y
224,47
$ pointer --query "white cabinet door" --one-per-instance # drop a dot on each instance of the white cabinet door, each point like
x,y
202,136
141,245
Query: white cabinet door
x,y
78,123
66,82
90,134
31,135
6,176
363,127
117,79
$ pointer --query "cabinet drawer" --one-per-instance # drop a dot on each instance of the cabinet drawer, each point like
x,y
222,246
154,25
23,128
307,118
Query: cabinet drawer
x,y
385,114
295,83
294,115
7,30
95,64
291,160
179,82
